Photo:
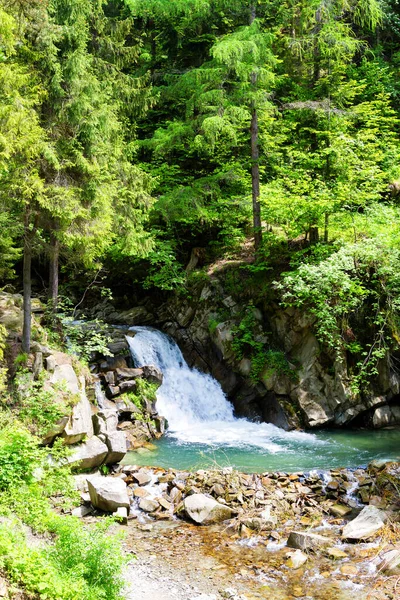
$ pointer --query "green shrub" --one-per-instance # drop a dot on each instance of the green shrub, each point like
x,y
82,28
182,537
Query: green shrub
x,y
3,370
82,564
77,562
19,456
353,298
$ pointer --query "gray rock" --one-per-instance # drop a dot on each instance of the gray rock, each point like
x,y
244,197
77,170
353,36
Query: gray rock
x,y
55,430
80,423
108,493
382,417
267,518
81,511
160,423
118,347
112,390
148,505
117,447
37,365
142,478
128,373
389,561
205,510
125,406
3,588
127,386
89,454
307,541
134,316
122,515
45,351
110,377
296,559
152,374
369,521
65,375
105,421
51,364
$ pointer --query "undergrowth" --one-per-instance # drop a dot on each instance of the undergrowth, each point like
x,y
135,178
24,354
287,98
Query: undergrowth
x,y
69,561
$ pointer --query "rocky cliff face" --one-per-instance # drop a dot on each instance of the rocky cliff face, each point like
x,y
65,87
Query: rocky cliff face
x,y
313,390
99,427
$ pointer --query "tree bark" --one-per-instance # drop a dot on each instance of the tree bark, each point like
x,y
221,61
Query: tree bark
x,y
326,228
255,160
255,181
53,271
314,234
27,283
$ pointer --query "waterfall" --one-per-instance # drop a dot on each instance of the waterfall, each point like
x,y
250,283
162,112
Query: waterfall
x,y
194,403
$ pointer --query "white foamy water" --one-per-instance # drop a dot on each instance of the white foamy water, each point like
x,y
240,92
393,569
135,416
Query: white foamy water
x,y
194,404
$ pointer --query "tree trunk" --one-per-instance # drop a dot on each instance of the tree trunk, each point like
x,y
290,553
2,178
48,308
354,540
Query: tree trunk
x,y
326,228
27,283
255,161
255,181
53,273
314,234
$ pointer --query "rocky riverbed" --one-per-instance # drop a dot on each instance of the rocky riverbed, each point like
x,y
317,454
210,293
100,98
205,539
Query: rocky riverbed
x,y
223,534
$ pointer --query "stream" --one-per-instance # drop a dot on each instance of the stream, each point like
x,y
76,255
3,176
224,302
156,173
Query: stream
x,y
203,431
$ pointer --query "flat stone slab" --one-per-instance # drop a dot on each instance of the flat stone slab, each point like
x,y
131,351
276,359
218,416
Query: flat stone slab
x,y
148,505
142,478
307,541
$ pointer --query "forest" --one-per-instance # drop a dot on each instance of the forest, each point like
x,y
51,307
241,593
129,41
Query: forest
x,y
136,133
154,150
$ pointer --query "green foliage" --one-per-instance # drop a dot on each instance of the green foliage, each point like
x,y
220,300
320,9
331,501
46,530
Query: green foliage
x,y
250,342
165,272
353,298
86,338
41,404
76,562
84,563
3,368
19,456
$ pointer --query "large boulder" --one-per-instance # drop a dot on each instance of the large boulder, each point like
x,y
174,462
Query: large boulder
x,y
386,415
89,454
369,521
108,493
105,421
205,510
65,375
80,423
11,315
117,446
55,430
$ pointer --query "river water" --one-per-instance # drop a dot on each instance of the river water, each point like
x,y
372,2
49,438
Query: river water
x,y
203,431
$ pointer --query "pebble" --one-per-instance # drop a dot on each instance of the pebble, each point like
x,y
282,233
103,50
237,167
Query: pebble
x,y
348,570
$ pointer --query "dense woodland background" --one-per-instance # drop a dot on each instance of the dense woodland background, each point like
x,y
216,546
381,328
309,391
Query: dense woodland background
x,y
142,137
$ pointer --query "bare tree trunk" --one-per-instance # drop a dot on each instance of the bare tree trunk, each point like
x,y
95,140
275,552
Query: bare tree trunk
x,y
27,283
255,161
255,181
314,234
326,228
53,272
